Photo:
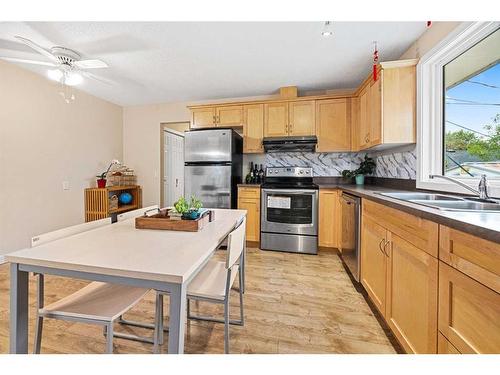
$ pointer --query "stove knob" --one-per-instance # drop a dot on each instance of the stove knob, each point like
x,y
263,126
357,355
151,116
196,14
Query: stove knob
x,y
301,172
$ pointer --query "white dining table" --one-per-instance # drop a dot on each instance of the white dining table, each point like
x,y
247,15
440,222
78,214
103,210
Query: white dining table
x,y
119,253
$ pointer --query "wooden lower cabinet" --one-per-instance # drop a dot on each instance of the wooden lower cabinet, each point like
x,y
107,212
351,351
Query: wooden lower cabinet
x,y
249,199
400,279
469,312
373,262
412,295
329,218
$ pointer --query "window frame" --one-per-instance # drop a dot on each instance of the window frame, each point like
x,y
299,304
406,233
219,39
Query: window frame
x,y
430,107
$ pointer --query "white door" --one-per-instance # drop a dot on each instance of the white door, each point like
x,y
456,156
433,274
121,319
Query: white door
x,y
173,164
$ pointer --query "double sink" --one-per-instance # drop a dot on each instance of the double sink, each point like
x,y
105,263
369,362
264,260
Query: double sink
x,y
447,202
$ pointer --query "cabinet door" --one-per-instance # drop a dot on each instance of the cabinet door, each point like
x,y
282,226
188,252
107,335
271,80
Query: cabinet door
x,y
445,347
253,128
364,118
355,124
253,217
328,217
373,262
203,117
229,115
301,118
469,312
275,119
411,304
375,132
332,125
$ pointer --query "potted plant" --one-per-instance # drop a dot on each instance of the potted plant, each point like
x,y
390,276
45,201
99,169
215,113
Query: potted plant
x,y
366,167
186,210
101,179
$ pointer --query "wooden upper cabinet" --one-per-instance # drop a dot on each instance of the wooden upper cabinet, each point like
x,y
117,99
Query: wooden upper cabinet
x,y
332,125
355,123
276,119
203,117
412,298
375,117
387,106
253,128
301,115
399,92
229,115
364,118
373,262
469,312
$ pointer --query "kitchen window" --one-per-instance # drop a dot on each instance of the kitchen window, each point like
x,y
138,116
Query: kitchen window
x,y
458,99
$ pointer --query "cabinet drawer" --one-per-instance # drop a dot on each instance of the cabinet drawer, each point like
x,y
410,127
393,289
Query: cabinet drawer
x,y
249,192
469,312
419,232
477,258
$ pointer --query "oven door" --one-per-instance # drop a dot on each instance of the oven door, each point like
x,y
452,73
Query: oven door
x,y
290,211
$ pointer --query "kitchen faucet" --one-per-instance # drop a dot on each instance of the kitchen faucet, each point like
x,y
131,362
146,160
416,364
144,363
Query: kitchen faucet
x,y
482,190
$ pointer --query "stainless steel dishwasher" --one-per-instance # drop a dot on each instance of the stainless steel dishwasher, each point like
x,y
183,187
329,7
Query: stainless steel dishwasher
x,y
351,228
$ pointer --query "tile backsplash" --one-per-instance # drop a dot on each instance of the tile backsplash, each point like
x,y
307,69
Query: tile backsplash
x,y
399,164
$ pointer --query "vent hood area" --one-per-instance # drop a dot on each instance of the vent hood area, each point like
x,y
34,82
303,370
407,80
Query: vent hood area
x,y
290,144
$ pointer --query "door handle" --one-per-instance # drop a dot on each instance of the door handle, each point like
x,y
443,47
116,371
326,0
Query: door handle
x,y
176,182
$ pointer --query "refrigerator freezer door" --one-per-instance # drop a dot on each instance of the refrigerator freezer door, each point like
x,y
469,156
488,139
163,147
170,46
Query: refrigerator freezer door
x,y
209,183
212,145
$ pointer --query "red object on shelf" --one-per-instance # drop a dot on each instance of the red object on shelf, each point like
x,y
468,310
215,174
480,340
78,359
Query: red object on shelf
x,y
375,60
101,183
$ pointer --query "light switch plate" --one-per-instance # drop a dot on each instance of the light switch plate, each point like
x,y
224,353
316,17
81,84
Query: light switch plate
x,y
65,185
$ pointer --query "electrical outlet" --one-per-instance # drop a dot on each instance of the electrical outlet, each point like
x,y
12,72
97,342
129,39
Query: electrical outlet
x,y
65,185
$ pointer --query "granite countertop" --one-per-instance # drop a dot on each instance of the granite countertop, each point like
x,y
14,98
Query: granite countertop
x,y
482,224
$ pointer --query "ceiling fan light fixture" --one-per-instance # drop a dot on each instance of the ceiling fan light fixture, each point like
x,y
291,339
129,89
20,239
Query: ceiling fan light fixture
x,y
55,75
73,79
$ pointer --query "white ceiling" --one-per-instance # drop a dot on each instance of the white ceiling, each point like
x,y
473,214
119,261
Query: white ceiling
x,y
155,62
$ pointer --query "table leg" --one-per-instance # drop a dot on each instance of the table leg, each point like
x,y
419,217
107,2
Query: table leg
x,y
177,320
18,310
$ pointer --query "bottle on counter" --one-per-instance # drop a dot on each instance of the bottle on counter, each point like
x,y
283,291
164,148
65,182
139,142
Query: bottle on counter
x,y
261,174
256,175
250,173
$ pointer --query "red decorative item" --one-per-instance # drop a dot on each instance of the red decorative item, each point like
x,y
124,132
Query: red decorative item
x,y
101,183
375,60
429,23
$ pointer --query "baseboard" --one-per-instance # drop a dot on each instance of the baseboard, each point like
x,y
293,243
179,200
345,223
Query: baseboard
x,y
2,259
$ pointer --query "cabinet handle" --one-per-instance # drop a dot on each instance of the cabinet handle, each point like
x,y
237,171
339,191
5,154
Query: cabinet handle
x,y
214,119
290,127
387,243
380,246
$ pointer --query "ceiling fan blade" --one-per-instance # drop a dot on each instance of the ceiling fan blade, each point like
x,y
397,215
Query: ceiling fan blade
x,y
34,62
96,78
37,48
90,64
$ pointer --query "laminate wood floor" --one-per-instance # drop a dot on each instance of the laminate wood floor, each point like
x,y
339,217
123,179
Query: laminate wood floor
x,y
294,303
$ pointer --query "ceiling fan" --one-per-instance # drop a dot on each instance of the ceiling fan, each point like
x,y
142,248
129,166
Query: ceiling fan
x,y
69,67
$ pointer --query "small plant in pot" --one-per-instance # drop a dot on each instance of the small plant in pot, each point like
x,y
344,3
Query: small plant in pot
x,y
101,179
186,210
366,167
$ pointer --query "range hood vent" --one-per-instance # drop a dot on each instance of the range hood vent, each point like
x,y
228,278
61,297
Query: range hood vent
x,y
290,144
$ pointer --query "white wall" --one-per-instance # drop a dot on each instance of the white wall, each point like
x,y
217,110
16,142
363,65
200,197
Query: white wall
x,y
44,141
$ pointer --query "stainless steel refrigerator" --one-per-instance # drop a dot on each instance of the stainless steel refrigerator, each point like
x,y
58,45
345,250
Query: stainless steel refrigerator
x,y
213,166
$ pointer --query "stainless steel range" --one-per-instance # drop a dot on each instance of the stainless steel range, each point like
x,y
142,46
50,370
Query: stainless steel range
x,y
289,220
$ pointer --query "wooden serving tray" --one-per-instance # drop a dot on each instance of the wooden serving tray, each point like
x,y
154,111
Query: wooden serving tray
x,y
161,221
